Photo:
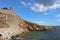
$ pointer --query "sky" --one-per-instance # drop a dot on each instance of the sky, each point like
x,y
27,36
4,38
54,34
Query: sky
x,y
43,12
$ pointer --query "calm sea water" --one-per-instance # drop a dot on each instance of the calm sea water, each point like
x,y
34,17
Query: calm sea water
x,y
45,35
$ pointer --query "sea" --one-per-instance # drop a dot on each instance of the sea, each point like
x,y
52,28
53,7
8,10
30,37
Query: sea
x,y
43,35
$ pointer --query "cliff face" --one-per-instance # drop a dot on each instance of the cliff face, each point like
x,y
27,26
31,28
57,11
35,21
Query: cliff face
x,y
18,23
35,27
13,24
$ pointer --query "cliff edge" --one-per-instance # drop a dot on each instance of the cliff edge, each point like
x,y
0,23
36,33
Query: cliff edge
x,y
11,24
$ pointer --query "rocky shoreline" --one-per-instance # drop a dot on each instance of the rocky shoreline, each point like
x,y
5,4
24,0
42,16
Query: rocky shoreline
x,y
15,26
35,27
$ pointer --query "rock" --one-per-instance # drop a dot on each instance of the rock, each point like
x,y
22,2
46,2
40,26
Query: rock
x,y
16,22
48,28
35,27
10,23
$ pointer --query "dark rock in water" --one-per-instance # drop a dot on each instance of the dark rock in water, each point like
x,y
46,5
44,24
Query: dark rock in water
x,y
13,38
18,37
22,38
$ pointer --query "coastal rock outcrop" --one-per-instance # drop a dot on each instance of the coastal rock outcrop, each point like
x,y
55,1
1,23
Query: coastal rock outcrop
x,y
11,24
11,20
35,27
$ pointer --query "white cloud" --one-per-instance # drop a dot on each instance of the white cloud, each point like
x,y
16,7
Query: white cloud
x,y
39,22
57,1
38,7
23,3
41,8
58,21
55,6
58,15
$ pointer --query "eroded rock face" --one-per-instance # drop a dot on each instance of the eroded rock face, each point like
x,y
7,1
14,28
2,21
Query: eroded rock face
x,y
12,25
16,22
35,27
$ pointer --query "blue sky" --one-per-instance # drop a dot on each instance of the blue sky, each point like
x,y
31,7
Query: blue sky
x,y
44,12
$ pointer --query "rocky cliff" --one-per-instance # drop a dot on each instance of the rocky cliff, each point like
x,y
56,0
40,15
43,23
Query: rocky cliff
x,y
11,24
35,27
15,21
